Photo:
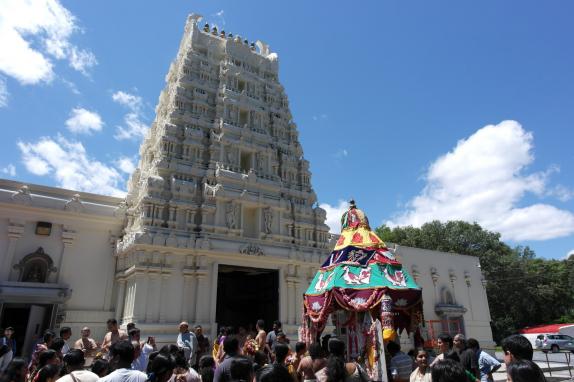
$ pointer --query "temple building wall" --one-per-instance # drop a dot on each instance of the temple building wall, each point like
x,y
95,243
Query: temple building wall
x,y
454,294
56,250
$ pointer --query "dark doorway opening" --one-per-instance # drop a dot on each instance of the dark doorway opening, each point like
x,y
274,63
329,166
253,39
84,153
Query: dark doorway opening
x,y
29,322
245,295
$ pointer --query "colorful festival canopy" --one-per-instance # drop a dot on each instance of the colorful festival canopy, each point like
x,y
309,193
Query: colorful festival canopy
x,y
362,274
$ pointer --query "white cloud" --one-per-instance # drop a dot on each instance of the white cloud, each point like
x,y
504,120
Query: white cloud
x,y
562,193
334,214
69,164
81,60
134,128
571,253
72,86
220,16
9,170
3,92
483,179
126,165
83,121
34,31
132,101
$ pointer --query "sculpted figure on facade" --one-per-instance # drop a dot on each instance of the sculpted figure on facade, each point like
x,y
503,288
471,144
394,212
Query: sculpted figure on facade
x,y
260,159
217,135
210,191
268,219
23,196
74,204
231,215
229,155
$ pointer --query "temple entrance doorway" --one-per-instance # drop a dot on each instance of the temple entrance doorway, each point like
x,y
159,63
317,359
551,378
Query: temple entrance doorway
x,y
29,322
245,295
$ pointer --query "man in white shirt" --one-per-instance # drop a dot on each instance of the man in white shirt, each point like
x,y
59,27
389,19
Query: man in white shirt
x,y
74,361
187,341
65,334
142,350
121,358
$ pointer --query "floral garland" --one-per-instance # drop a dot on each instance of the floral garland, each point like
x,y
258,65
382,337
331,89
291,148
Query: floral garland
x,y
250,347
345,301
323,313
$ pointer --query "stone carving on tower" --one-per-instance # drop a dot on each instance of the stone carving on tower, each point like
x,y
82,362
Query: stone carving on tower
x,y
221,167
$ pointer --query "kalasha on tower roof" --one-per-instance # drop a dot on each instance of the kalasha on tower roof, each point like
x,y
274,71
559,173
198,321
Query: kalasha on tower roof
x,y
361,272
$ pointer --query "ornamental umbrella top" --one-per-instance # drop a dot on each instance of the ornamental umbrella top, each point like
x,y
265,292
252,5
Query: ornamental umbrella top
x,y
360,274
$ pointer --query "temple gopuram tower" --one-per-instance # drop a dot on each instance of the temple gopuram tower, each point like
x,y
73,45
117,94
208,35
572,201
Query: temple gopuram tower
x,y
222,224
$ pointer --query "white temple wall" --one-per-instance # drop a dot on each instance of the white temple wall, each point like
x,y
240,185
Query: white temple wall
x,y
79,289
453,289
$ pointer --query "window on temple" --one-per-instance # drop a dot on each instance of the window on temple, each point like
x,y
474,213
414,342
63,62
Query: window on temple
x,y
35,267
250,228
246,161
243,117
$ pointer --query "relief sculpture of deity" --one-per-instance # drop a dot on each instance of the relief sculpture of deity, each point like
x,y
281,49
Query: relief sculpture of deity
x,y
231,212
267,219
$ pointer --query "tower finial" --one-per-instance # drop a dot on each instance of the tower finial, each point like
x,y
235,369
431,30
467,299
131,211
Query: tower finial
x,y
352,204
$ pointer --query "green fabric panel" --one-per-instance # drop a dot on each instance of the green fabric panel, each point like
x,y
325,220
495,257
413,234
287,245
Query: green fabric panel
x,y
357,277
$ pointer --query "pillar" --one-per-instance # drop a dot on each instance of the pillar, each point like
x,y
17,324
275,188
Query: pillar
x,y
188,298
15,232
282,295
120,299
108,295
68,237
172,216
434,277
467,280
140,298
128,301
151,312
452,279
163,297
291,301
484,283
213,298
298,301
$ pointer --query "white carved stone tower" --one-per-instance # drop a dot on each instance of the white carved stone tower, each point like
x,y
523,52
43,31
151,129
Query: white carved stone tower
x,y
221,181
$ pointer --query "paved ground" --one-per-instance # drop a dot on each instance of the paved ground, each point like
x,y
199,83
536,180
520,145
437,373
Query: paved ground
x,y
557,366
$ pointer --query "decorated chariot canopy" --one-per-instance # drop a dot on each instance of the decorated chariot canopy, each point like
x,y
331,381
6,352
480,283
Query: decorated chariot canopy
x,y
360,275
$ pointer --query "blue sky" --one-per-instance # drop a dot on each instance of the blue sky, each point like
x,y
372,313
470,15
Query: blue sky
x,y
419,110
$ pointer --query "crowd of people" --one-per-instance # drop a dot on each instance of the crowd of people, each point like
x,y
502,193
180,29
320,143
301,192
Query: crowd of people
x,y
463,360
248,356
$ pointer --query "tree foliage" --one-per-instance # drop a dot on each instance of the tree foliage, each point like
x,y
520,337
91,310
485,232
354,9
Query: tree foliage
x,y
522,290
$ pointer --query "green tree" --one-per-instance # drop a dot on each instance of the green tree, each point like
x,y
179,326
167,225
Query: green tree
x,y
522,289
